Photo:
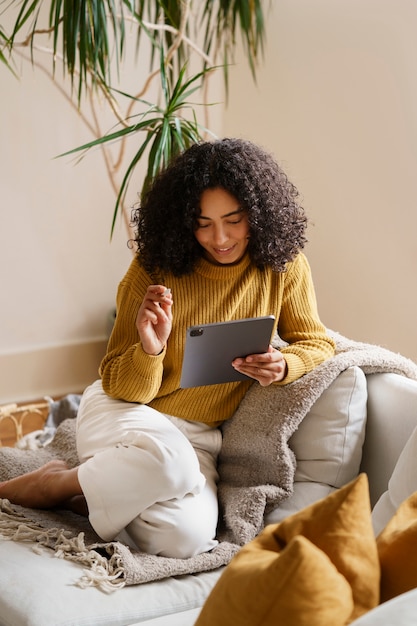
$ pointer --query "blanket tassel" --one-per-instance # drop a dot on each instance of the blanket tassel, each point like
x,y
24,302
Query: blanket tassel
x,y
104,572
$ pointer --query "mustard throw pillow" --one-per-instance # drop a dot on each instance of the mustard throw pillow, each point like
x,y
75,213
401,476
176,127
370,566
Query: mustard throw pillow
x,y
319,566
397,549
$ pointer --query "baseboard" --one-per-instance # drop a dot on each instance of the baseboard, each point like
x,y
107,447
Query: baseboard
x,y
49,371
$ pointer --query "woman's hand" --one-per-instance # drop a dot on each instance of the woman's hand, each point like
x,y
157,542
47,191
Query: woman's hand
x,y
154,319
267,368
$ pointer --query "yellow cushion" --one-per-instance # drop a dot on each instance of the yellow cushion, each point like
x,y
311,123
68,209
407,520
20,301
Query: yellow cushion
x,y
397,549
301,587
319,566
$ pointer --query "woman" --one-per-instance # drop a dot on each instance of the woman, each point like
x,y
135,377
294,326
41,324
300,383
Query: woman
x,y
219,237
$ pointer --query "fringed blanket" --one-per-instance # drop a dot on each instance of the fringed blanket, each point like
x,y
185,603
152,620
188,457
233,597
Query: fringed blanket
x,y
256,469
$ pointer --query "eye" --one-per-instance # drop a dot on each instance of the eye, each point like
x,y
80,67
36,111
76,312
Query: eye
x,y
236,217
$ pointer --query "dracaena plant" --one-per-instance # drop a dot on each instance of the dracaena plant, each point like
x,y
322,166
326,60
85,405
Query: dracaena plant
x,y
89,40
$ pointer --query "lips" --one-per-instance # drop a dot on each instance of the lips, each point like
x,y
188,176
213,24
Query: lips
x,y
223,251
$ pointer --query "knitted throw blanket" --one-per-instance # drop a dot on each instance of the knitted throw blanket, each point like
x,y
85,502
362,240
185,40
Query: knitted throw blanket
x,y
256,468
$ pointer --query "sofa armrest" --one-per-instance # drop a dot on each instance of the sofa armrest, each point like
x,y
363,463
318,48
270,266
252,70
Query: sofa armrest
x,y
391,418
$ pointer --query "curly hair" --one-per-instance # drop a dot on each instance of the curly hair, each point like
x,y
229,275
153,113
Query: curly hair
x,y
166,220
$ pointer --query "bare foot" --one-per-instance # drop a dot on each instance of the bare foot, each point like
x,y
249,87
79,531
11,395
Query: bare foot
x,y
43,488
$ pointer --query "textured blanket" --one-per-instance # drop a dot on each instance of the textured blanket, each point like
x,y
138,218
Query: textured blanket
x,y
256,469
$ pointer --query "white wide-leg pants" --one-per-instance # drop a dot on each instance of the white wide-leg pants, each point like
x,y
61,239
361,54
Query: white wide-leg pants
x,y
150,475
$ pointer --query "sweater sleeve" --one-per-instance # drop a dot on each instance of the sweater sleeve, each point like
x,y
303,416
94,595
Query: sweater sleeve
x,y
127,372
299,324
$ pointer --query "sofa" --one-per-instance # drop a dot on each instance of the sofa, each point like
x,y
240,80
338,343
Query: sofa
x,y
371,422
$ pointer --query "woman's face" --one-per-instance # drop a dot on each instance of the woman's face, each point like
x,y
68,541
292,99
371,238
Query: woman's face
x,y
222,227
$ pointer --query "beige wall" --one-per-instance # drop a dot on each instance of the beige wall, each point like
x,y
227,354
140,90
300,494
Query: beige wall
x,y
59,270
336,102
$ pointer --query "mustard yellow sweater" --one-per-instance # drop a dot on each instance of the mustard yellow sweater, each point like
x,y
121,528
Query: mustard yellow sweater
x,y
212,293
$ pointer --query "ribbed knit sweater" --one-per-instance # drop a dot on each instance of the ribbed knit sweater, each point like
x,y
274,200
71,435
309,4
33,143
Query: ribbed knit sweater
x,y
212,293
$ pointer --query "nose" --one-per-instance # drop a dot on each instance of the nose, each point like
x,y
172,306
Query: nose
x,y
220,235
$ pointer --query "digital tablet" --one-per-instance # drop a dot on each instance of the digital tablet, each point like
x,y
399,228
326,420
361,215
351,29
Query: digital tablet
x,y
211,348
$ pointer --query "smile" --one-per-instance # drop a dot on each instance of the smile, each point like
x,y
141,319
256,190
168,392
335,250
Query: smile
x,y
223,250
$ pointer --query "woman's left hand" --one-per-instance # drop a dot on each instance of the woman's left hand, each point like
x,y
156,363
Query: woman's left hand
x,y
267,368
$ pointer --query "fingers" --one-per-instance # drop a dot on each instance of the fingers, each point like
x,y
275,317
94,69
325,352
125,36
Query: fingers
x,y
266,368
156,304
158,294
154,319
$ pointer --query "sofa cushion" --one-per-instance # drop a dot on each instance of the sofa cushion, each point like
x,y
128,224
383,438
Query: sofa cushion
x,y
304,494
319,566
392,417
328,442
401,485
38,589
400,611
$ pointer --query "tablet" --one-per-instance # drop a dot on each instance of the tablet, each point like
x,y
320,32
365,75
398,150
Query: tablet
x,y
211,348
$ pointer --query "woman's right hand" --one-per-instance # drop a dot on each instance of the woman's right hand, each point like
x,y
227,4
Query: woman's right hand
x,y
154,319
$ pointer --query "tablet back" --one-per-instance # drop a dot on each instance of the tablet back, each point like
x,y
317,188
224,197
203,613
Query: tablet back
x,y
211,348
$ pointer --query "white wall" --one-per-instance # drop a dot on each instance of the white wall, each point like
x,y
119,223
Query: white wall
x,y
336,102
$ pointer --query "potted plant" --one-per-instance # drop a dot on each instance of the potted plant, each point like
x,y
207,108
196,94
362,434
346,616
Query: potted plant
x,y
86,44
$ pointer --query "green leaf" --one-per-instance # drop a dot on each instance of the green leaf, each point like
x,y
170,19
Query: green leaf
x,y
123,187
7,64
26,11
119,134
